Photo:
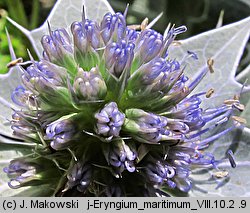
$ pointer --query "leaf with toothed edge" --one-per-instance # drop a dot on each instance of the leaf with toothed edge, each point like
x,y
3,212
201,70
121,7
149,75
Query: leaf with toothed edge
x,y
225,46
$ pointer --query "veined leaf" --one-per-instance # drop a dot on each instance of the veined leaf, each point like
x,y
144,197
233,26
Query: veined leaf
x,y
8,83
225,46
236,183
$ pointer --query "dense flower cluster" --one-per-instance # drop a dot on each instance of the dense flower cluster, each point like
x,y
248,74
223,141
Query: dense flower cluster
x,y
112,114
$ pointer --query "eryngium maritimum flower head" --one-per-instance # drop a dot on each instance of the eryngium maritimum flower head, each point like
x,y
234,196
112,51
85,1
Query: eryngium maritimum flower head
x,y
113,114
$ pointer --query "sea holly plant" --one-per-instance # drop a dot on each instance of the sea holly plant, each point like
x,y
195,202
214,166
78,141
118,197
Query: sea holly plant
x,y
117,110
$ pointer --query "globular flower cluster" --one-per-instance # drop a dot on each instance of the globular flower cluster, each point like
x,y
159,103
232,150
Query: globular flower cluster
x,y
112,115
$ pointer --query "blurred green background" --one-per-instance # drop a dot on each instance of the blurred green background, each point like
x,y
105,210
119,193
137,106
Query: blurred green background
x,y
197,15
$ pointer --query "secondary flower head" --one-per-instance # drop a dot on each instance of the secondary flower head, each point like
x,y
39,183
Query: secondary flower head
x,y
114,114
27,171
109,120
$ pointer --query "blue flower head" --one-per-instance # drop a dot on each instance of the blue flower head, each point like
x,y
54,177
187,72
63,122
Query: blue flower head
x,y
114,114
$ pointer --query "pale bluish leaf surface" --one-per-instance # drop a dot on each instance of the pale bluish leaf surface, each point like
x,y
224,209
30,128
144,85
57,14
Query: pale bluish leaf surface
x,y
246,113
225,45
244,77
63,14
237,183
45,190
13,141
7,153
8,83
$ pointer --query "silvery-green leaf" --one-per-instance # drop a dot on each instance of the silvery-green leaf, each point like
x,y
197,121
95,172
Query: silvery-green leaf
x,y
246,113
15,141
237,182
244,77
7,153
8,83
44,190
225,46
62,15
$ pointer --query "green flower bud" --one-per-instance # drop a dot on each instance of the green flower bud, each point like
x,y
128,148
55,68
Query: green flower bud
x,y
90,85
